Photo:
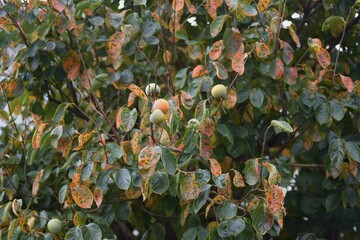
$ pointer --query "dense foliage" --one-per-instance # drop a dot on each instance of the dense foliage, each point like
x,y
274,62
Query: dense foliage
x,y
276,157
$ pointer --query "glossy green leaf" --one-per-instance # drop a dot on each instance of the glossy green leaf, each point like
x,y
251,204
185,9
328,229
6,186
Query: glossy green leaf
x,y
159,182
122,178
217,25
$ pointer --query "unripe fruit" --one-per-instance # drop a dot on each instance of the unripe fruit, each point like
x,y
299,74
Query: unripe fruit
x,y
151,88
194,124
157,117
54,226
218,91
162,105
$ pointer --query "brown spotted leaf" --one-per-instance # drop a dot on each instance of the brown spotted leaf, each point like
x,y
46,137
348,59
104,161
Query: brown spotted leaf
x,y
218,198
213,5
294,36
64,146
323,57
287,53
149,157
36,183
82,196
238,62
230,99
274,175
98,196
189,188
348,83
72,65
215,167
216,50
86,78
59,6
36,140
263,4
186,100
275,202
226,191
291,75
238,179
115,45
206,146
137,90
199,71
83,138
208,127
262,50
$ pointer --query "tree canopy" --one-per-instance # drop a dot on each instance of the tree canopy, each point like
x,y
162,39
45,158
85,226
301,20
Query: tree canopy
x,y
214,119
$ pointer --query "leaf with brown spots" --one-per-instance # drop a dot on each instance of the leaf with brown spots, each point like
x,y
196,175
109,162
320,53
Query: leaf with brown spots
x,y
72,65
186,100
207,127
145,188
262,50
75,181
215,167
59,6
263,4
137,90
138,142
291,75
238,179
206,146
36,140
216,50
230,100
82,196
323,57
218,198
275,202
83,138
274,175
199,71
348,83
64,146
36,183
238,62
189,188
115,45
86,78
98,196
149,157
191,7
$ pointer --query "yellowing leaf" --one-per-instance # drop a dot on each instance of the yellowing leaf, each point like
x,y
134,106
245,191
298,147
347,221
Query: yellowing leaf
x,y
275,202
274,175
72,65
82,196
216,50
205,146
189,188
226,192
64,146
215,167
36,140
263,4
137,90
238,62
115,45
36,183
218,198
323,57
186,100
98,196
238,179
230,99
262,50
294,36
347,83
83,138
149,157
221,72
86,78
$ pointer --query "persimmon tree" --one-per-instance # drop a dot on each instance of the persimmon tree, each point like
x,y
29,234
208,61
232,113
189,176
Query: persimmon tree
x,y
254,133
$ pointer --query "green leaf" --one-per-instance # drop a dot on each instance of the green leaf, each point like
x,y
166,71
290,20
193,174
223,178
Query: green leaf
x,y
97,21
353,151
256,98
225,132
249,10
231,227
262,220
282,125
190,140
62,193
140,2
217,25
202,176
114,152
337,110
55,135
91,231
190,234
201,200
60,111
123,179
221,72
169,160
251,171
159,182
126,119
74,234
336,152
335,24
332,201
5,39
323,114
226,211
180,78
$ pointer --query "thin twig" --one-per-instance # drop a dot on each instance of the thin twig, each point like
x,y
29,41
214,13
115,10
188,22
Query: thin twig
x,y
304,165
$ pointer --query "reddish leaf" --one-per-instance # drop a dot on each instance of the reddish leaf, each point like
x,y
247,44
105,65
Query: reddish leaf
x,y
82,196
189,189
75,181
72,65
191,7
98,196
287,53
36,183
323,57
275,202
178,5
238,179
213,5
238,62
230,99
205,146
83,138
215,167
291,75
216,50
263,4
262,50
36,140
276,69
59,6
186,100
208,127
86,78
115,45
347,83
149,157
199,71
64,146
137,90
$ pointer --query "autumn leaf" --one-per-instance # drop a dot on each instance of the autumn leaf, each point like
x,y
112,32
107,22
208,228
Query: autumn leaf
x,y
115,45
199,71
238,62
36,183
82,139
189,189
212,6
59,6
275,202
263,4
347,83
215,167
323,57
230,100
137,90
82,196
221,72
86,78
262,50
98,196
178,5
72,65
238,179
216,50
186,100
36,140
149,157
